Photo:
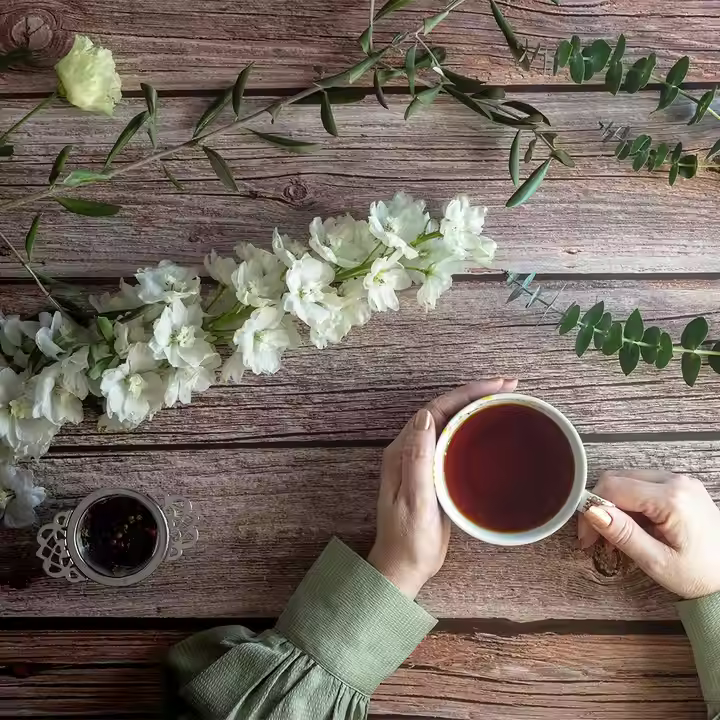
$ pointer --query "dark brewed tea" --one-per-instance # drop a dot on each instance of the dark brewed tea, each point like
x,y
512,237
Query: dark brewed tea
x,y
509,468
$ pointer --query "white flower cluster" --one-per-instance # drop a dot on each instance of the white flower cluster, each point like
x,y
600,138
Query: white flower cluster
x,y
155,343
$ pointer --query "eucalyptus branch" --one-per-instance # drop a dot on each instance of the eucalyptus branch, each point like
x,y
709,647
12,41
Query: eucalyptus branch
x,y
629,339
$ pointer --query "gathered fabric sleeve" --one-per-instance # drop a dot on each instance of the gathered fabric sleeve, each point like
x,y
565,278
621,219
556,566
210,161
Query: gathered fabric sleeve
x,y
345,629
701,619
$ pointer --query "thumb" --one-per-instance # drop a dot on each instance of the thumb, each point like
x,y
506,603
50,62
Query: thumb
x,y
625,534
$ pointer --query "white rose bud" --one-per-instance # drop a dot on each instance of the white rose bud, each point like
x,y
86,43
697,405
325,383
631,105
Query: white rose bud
x,y
87,77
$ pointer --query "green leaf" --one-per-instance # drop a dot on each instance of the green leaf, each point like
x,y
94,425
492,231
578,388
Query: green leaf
x,y
7,150
614,340
412,108
665,351
690,365
31,235
638,75
651,336
629,357
424,59
694,333
583,340
239,88
354,73
593,316
526,108
714,360
661,154
151,97
576,44
88,207
389,7
614,77
59,164
577,68
672,176
427,96
83,177
338,96
713,150
490,92
599,53
467,101
601,330
621,146
379,94
667,97
169,175
365,39
221,168
562,56
410,68
530,149
327,117
528,188
213,111
289,144
516,48
640,143
624,151
126,136
588,69
688,166
569,319
640,159
702,107
463,83
429,24
563,157
619,50
514,162
676,153
105,327
634,326
678,71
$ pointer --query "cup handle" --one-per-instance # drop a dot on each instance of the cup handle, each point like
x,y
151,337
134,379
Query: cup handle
x,y
588,500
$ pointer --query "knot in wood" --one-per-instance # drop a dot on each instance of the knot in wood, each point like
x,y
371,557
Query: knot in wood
x,y
609,561
36,27
295,191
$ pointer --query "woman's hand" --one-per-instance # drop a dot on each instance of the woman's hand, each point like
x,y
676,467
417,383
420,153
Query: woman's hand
x,y
412,530
681,551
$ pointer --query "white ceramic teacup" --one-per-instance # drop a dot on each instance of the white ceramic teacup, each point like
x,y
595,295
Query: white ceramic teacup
x,y
579,499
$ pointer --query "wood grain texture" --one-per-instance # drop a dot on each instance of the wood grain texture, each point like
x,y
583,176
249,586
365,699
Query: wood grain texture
x,y
366,388
176,46
266,515
598,218
465,675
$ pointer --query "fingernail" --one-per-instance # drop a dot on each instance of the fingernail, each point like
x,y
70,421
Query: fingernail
x,y
598,517
422,420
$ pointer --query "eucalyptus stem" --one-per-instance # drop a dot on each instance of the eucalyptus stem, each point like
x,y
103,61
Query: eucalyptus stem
x,y
684,93
42,104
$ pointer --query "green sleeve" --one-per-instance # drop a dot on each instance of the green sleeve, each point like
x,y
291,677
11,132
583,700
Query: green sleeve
x,y
701,619
344,631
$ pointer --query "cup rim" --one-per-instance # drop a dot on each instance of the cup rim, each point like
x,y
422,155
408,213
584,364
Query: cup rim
x,y
524,537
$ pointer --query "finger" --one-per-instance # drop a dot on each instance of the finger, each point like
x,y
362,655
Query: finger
x,y
636,492
417,464
625,534
391,471
587,535
445,406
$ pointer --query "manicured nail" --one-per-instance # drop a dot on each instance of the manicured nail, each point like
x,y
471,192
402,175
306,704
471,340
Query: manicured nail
x,y
598,517
422,420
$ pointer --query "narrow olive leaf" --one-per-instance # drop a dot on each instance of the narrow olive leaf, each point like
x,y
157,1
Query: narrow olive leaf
x,y
577,68
424,59
593,316
694,333
105,327
59,164
354,73
601,330
7,150
467,101
463,83
676,153
599,53
379,94
221,168
640,159
516,48
338,96
514,162
83,177
213,111
713,150
688,166
152,132
239,88
562,56
629,357
690,365
365,39
289,144
583,340
389,7
490,92
151,97
88,207
614,77
651,337
429,24
569,319
526,108
528,188
327,117
667,97
672,176
412,108
619,50
665,351
126,136
714,360
640,143
410,68
169,175
634,326
530,150
427,96
563,157
31,235
661,154
702,107
678,71
614,340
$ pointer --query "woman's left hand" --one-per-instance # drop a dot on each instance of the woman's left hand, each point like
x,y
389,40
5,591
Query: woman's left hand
x,y
412,530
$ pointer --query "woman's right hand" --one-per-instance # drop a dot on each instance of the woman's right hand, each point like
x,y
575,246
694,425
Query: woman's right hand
x,y
681,550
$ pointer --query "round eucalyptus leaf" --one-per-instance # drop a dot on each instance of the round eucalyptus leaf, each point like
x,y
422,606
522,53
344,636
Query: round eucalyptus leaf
x,y
629,357
690,365
694,333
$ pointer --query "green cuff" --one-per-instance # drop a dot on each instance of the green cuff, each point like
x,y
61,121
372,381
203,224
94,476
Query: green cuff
x,y
701,619
352,620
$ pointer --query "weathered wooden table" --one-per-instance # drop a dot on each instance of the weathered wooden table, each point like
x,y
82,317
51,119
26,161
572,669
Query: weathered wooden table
x,y
281,463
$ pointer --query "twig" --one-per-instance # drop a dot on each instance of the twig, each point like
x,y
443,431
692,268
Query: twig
x,y
26,117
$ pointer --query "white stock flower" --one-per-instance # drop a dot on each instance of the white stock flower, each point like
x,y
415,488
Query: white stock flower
x,y
308,282
349,308
88,78
399,223
263,338
134,390
385,277
125,299
16,339
55,332
60,388
344,241
233,369
287,250
258,280
220,268
461,228
18,496
182,382
167,282
128,333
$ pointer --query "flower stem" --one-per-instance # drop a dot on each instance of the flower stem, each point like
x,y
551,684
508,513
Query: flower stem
x,y
218,294
42,104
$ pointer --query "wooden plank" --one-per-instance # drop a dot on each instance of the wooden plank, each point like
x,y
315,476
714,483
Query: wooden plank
x,y
598,218
176,46
268,513
365,388
460,674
